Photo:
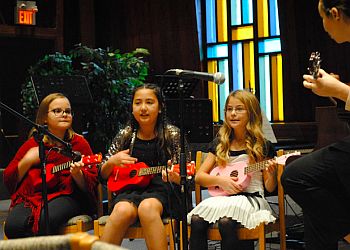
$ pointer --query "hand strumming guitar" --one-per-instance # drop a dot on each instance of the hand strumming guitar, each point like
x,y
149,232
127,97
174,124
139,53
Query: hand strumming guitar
x,y
229,185
118,159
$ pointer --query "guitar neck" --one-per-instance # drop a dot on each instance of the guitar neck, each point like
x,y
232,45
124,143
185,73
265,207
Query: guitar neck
x,y
87,160
61,167
255,167
151,170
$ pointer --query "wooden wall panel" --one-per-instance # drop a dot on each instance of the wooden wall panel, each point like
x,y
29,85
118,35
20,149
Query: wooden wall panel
x,y
167,29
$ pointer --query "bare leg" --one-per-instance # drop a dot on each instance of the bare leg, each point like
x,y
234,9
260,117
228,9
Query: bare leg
x,y
150,211
124,214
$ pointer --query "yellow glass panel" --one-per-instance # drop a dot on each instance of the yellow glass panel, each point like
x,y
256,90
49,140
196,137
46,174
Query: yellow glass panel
x,y
242,33
277,87
280,87
221,14
249,69
274,87
263,18
252,66
213,91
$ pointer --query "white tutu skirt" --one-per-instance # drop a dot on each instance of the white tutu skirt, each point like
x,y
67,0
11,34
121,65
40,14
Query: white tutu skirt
x,y
249,211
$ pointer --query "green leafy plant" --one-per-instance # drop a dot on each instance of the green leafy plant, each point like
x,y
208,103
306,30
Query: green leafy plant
x,y
111,77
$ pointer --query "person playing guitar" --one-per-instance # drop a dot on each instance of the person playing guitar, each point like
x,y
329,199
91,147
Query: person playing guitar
x,y
148,139
239,139
319,181
71,190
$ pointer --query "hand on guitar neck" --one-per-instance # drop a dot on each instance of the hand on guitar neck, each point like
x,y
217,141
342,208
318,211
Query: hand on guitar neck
x,y
52,169
322,83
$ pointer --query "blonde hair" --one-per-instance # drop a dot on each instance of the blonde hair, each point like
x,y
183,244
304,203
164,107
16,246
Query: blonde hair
x,y
254,136
41,117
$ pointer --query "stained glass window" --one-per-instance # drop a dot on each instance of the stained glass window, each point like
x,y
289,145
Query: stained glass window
x,y
242,40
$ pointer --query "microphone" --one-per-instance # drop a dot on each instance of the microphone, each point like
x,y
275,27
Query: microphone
x,y
75,155
217,77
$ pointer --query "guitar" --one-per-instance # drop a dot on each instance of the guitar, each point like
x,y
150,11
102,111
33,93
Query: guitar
x,y
138,175
314,67
241,170
52,169
314,64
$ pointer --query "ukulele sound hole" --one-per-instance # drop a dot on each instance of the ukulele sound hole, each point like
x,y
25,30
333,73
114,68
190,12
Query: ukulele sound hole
x,y
234,173
132,173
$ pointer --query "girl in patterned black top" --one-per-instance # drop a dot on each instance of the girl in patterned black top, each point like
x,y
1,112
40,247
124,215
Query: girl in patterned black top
x,y
154,142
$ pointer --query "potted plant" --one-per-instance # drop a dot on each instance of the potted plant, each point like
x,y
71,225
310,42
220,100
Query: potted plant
x,y
111,77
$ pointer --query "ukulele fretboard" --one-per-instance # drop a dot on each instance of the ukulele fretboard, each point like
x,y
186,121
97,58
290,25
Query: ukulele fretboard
x,y
61,167
255,167
151,170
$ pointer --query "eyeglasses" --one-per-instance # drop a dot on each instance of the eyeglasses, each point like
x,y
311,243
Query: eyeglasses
x,y
60,112
238,110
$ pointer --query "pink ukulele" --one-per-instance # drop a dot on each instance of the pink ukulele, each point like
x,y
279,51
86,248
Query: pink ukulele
x,y
243,171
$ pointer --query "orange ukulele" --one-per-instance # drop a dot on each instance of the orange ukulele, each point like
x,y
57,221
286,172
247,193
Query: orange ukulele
x,y
51,169
138,175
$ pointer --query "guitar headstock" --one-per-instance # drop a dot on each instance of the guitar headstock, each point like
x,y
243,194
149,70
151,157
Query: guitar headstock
x,y
314,64
190,168
92,159
283,158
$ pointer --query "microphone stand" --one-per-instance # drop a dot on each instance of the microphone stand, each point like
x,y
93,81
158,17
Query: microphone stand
x,y
42,130
183,171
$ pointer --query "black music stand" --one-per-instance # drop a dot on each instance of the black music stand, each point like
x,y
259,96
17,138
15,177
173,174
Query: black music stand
x,y
176,87
75,87
169,86
198,118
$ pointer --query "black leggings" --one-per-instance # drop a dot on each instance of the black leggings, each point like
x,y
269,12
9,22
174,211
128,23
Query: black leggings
x,y
61,209
319,183
228,232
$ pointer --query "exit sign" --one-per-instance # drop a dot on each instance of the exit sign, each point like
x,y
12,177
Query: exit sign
x,y
26,17
25,12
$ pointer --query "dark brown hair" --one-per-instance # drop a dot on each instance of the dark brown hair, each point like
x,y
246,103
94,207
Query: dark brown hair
x,y
342,5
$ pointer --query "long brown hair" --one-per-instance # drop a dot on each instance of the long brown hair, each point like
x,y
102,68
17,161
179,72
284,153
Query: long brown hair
x,y
254,136
41,116
161,128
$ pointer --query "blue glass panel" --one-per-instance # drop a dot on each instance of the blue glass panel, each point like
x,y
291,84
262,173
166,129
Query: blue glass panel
x,y
265,85
199,28
211,21
237,66
224,89
274,20
236,12
270,45
247,7
215,51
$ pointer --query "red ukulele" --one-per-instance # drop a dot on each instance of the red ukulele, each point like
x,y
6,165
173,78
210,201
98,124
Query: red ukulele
x,y
52,169
138,175
241,170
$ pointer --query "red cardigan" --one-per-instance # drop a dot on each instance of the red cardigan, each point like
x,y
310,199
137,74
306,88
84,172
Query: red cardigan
x,y
63,183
